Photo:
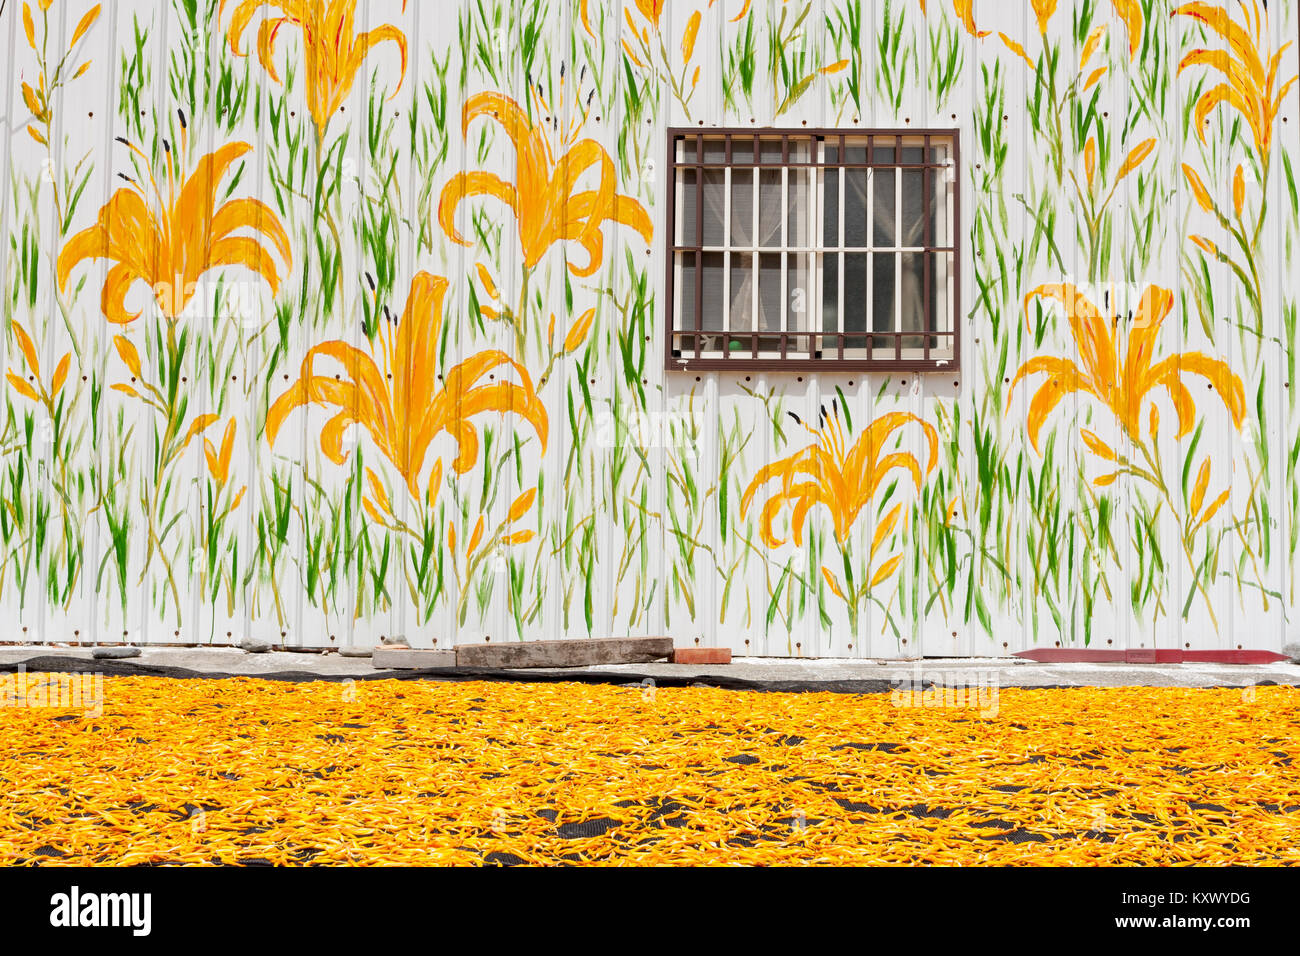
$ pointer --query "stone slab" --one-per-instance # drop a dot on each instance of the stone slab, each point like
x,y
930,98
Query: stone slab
x,y
404,658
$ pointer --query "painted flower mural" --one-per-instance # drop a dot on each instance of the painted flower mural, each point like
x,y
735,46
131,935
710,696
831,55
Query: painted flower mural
x,y
213,425
333,50
402,397
169,238
1116,366
844,479
548,198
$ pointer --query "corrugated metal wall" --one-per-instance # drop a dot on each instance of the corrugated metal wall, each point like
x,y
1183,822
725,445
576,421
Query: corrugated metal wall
x,y
343,423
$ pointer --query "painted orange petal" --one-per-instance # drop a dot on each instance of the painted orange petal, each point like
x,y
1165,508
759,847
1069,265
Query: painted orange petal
x,y
247,252
1017,49
1218,373
192,214
765,474
28,348
899,459
1130,11
522,504
1220,21
227,449
1097,446
1214,507
370,39
1152,310
770,511
61,374
807,495
255,215
416,355
1202,485
112,300
267,33
887,569
1045,400
863,455
376,406
197,426
832,583
90,243
466,184
966,14
129,354
1226,94
586,21
497,106
1166,374
21,387
885,528
1202,194
1091,333
1135,158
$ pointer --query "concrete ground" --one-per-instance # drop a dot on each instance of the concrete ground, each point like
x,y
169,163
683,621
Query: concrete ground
x,y
759,672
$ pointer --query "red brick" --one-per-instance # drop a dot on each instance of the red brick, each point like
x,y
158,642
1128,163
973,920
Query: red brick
x,y
701,655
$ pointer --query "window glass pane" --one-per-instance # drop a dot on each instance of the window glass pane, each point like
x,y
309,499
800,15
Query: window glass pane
x,y
713,308
770,151
714,207
715,149
687,218
742,207
797,294
884,211
883,150
798,202
685,291
913,155
913,218
769,292
855,154
941,303
882,299
831,292
855,208
769,207
912,297
855,292
941,188
742,149
832,153
742,292
831,207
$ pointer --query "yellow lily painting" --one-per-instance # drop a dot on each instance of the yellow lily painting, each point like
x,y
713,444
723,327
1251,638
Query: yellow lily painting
x,y
844,479
170,238
1250,83
333,51
402,398
548,198
1115,365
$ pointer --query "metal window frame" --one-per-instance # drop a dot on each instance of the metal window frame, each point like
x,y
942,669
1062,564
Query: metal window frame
x,y
792,358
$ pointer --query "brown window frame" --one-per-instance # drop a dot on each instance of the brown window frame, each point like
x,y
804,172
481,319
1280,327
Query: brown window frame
x,y
792,358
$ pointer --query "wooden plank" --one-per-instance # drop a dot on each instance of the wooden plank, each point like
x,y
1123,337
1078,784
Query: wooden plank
x,y
575,653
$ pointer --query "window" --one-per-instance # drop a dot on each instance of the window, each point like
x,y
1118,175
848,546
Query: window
x,y
794,249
